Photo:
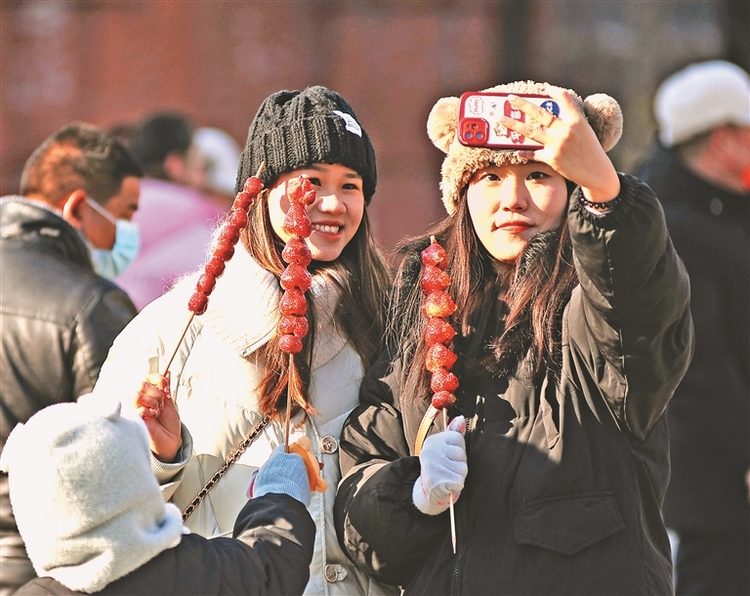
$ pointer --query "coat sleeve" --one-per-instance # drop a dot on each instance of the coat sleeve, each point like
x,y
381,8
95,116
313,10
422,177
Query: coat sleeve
x,y
270,553
278,534
377,524
628,323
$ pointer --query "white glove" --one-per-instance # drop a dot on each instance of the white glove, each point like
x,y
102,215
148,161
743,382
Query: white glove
x,y
444,469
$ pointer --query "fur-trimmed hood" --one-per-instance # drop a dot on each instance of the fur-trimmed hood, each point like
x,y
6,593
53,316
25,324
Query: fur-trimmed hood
x,y
602,112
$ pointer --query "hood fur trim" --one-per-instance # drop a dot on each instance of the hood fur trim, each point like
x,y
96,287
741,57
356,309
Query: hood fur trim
x,y
602,112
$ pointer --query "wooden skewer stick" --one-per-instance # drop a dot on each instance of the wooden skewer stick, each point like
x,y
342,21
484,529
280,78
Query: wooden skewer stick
x,y
452,509
179,343
289,389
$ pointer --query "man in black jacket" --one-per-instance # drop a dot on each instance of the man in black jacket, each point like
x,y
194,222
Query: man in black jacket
x,y
58,315
700,170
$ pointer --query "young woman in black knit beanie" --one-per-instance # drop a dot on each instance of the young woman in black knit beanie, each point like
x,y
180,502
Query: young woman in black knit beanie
x,y
230,374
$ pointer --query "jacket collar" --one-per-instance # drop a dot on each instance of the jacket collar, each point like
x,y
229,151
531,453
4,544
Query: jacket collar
x,y
34,221
243,309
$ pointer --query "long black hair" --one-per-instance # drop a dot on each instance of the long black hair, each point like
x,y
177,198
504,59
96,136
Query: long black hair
x,y
507,314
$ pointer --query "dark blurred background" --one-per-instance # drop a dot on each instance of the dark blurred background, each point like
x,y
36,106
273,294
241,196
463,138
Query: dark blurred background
x,y
111,62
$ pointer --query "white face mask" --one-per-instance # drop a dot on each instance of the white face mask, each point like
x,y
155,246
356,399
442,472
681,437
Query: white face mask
x,y
111,263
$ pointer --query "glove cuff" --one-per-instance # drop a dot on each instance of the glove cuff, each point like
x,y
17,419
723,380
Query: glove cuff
x,y
422,501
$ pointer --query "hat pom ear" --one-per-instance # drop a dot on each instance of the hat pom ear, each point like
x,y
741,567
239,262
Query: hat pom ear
x,y
443,122
605,117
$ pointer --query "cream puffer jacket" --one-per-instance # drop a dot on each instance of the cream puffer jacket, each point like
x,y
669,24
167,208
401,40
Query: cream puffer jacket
x,y
213,379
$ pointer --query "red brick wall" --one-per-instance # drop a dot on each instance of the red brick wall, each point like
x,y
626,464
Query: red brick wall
x,y
109,61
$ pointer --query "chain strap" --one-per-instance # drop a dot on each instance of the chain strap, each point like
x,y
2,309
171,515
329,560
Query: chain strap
x,y
231,458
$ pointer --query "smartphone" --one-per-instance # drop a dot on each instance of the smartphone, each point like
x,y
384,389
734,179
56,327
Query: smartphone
x,y
478,119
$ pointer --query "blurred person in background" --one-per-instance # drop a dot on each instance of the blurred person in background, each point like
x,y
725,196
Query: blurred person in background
x,y
176,219
700,169
221,155
62,242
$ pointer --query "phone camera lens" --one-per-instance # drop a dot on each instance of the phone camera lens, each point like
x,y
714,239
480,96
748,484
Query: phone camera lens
x,y
468,135
479,136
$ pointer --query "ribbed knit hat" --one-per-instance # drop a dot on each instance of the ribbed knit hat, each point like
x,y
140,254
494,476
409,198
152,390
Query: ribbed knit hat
x,y
86,503
295,129
602,112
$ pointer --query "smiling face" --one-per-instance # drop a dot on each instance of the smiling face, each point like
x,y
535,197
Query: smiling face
x,y
336,213
510,204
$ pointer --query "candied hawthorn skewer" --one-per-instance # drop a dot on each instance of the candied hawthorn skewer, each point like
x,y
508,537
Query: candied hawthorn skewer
x,y
439,360
222,249
293,325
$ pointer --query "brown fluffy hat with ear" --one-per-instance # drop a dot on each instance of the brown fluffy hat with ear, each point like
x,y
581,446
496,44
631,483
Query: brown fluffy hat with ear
x,y
602,112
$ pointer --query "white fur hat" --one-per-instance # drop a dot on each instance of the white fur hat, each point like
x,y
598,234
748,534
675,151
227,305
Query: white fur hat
x,y
602,111
85,500
701,97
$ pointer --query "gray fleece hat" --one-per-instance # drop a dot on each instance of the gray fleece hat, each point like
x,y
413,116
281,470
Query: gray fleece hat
x,y
85,500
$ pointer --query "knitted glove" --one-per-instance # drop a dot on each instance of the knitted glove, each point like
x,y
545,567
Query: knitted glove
x,y
283,473
444,469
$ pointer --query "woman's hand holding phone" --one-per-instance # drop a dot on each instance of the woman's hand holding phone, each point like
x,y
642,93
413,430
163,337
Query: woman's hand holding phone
x,y
569,145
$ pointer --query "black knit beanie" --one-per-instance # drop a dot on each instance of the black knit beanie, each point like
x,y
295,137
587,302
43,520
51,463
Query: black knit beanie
x,y
295,129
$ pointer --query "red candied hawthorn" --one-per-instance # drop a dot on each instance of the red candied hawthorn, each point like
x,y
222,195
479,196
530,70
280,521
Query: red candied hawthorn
x,y
439,356
435,255
293,302
294,325
296,221
206,283
443,399
438,332
439,304
443,380
238,218
242,201
297,188
290,344
434,279
198,303
309,197
223,249
297,251
252,185
229,234
295,276
216,266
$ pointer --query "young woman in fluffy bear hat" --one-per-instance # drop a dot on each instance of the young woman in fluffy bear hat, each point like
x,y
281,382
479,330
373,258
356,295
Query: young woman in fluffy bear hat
x,y
572,331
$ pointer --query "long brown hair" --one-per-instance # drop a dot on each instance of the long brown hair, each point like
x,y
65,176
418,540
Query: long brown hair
x,y
361,274
507,314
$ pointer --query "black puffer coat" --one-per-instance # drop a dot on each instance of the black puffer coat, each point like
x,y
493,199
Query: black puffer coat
x,y
709,417
271,555
58,319
565,477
